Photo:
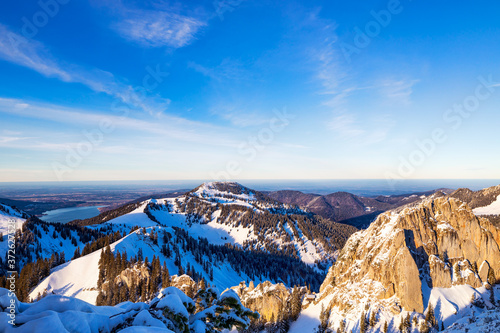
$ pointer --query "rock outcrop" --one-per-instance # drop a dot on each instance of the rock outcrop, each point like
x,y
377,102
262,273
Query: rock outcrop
x,y
436,243
266,298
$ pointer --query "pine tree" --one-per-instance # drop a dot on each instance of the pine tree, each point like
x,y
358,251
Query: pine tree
x,y
341,328
491,277
373,319
324,320
133,291
430,317
76,254
424,327
143,292
407,323
295,303
165,276
362,323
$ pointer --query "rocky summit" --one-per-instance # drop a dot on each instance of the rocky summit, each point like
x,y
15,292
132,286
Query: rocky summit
x,y
406,252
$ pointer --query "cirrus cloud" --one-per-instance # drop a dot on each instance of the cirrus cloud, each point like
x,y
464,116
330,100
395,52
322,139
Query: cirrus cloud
x,y
158,29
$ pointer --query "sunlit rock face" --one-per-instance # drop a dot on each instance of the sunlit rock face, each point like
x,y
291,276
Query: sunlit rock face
x,y
436,243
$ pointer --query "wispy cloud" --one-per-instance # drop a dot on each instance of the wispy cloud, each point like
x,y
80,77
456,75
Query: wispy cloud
x,y
341,89
346,126
34,55
158,28
239,115
29,53
228,70
397,91
350,128
176,128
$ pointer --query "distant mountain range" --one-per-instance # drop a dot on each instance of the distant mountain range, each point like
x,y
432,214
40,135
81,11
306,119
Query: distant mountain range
x,y
348,208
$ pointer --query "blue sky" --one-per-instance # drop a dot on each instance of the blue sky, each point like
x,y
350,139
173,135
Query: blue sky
x,y
124,90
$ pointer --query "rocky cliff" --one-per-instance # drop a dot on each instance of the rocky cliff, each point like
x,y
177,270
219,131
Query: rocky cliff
x,y
266,298
406,252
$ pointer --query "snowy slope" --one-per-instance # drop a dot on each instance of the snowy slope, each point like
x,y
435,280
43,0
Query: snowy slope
x,y
135,218
452,307
168,212
9,217
78,278
491,209
216,233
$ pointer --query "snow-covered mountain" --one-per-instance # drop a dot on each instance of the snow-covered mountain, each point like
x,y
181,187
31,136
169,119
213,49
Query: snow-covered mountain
x,y
485,202
224,232
79,277
432,263
434,254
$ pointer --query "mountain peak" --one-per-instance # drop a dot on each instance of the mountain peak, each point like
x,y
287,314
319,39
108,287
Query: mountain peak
x,y
217,189
405,253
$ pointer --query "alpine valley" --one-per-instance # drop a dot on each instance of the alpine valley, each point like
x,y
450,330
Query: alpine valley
x,y
225,258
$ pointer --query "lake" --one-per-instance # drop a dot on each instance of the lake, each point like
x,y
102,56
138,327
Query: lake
x,y
64,215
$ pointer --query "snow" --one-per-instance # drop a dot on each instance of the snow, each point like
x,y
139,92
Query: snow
x,y
492,209
11,215
144,318
146,330
444,226
485,322
308,320
60,314
56,313
452,303
230,293
216,233
174,291
136,217
173,303
209,189
76,278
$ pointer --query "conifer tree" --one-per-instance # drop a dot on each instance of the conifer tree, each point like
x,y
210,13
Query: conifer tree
x,y
430,317
76,254
491,277
295,303
373,319
362,323
165,276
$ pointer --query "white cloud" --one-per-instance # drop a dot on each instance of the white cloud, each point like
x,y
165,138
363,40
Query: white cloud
x,y
167,127
29,53
239,115
32,54
346,126
158,28
228,69
397,91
